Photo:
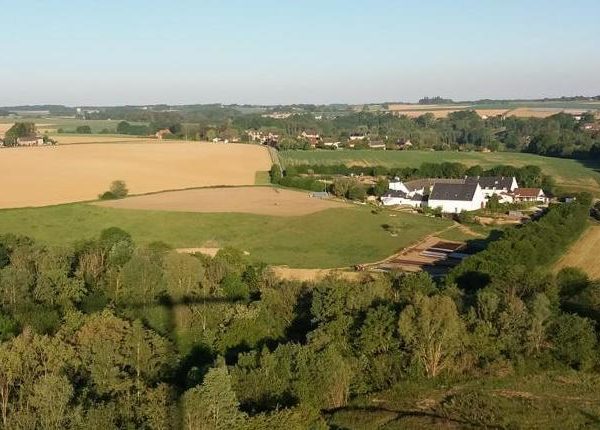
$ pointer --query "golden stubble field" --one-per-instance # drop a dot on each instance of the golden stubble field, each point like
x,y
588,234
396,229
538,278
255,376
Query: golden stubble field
x,y
254,200
41,176
584,253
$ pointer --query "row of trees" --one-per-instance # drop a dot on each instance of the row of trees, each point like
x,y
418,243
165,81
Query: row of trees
x,y
342,180
557,135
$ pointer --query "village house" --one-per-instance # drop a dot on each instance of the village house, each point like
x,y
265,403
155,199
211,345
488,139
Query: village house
x,y
530,195
220,140
357,136
277,115
30,141
377,144
404,144
160,134
312,136
264,138
334,145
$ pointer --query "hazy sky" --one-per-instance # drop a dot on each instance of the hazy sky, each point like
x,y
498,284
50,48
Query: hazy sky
x,y
295,51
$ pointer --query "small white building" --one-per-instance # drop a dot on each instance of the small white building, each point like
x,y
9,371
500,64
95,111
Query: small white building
x,y
357,136
400,198
455,198
30,141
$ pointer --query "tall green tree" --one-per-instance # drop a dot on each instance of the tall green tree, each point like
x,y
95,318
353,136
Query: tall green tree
x,y
212,405
433,332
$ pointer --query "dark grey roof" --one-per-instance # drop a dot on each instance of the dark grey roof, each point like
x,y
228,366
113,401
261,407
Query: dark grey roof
x,y
490,182
395,193
417,184
459,192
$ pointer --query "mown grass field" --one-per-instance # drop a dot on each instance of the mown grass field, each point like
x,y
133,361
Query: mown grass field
x,y
70,124
569,174
331,238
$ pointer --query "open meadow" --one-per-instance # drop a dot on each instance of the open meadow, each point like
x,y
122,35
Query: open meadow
x,y
569,174
53,123
39,176
329,238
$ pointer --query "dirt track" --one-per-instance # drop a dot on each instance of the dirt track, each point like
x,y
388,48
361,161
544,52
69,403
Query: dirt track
x,y
255,200
40,176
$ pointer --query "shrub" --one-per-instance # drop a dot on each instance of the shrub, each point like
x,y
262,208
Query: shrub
x,y
118,190
84,129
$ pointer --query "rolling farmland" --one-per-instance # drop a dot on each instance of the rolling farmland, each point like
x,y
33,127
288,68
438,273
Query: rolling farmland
x,y
569,174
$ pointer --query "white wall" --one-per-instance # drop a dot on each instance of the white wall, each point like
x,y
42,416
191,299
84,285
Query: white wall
x,y
457,206
398,186
393,201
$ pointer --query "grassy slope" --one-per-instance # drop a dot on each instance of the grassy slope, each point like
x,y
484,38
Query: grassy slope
x,y
569,174
551,400
332,238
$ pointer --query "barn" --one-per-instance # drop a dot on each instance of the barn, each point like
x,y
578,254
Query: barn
x,y
455,198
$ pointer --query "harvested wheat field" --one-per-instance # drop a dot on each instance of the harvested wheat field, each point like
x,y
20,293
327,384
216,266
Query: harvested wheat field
x,y
491,112
584,253
40,176
253,200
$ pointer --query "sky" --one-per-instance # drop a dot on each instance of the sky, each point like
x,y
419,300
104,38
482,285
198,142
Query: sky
x,y
109,52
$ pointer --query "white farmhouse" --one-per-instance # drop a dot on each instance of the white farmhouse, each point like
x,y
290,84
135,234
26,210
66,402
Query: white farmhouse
x,y
494,185
455,198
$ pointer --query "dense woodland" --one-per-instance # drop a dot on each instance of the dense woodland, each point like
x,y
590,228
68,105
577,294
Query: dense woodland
x,y
108,334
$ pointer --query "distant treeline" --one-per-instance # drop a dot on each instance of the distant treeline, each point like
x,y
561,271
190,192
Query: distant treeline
x,y
527,176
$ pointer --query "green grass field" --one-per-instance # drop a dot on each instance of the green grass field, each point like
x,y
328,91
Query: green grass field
x,y
569,174
70,124
331,238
